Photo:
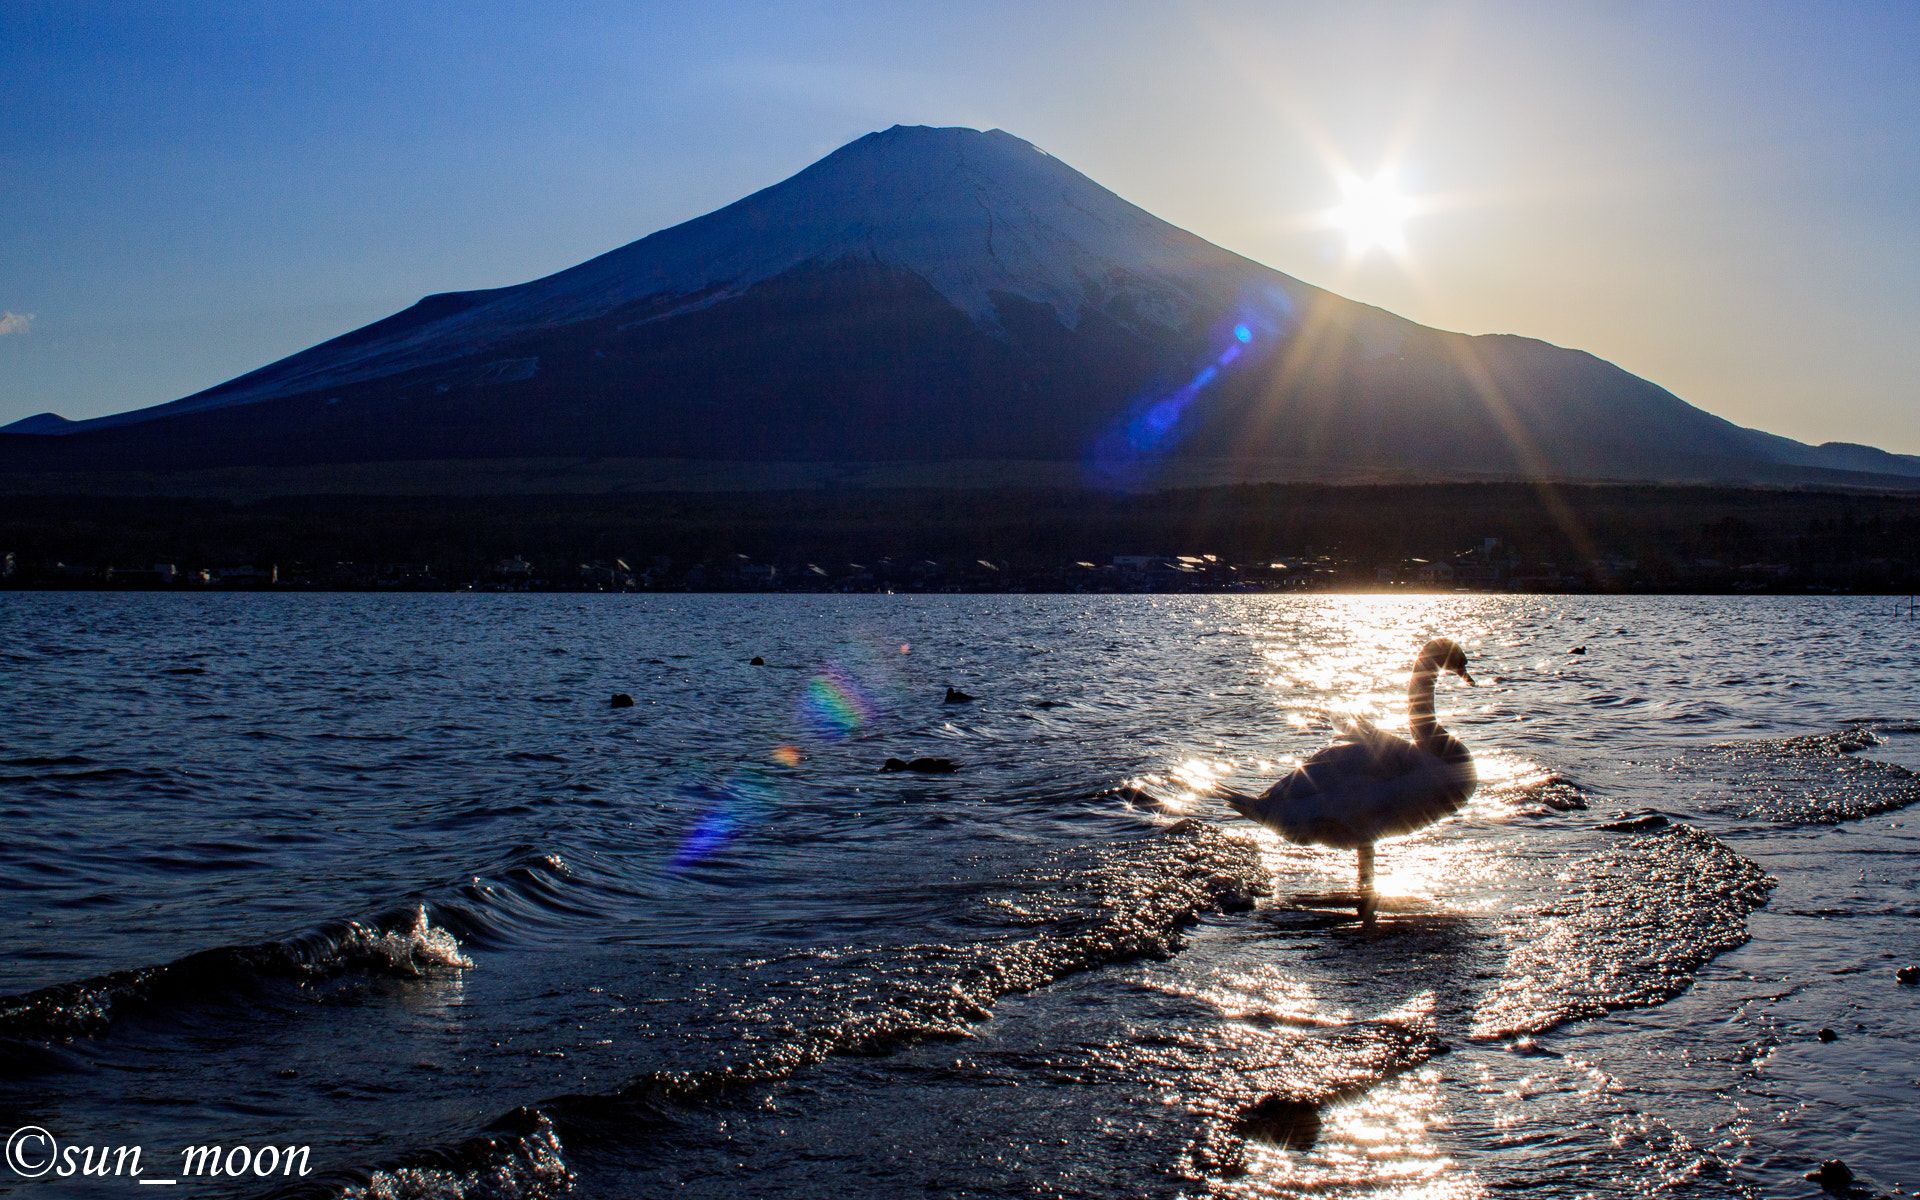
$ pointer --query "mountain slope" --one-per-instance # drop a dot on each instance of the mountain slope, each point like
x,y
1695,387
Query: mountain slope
x,y
936,295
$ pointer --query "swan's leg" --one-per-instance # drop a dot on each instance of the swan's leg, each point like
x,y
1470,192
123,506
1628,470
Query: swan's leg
x,y
1367,899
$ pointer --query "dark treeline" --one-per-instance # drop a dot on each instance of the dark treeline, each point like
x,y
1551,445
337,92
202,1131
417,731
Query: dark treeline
x,y
1646,537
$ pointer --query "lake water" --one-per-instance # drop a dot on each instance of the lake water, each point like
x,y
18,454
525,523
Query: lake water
x,y
389,878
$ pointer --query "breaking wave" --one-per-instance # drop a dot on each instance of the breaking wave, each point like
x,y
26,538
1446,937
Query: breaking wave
x,y
1082,908
401,943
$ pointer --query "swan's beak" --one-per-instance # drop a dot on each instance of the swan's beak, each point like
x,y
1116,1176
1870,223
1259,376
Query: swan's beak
x,y
1467,677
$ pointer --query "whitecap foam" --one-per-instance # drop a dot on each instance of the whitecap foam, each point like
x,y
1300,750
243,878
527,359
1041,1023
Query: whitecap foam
x,y
413,948
516,1164
410,946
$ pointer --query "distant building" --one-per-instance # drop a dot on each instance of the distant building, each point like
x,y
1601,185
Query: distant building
x,y
1486,566
244,574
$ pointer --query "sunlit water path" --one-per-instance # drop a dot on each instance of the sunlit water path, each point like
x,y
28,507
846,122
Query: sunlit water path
x,y
389,876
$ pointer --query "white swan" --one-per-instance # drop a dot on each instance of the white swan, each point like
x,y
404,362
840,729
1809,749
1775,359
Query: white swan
x,y
1370,784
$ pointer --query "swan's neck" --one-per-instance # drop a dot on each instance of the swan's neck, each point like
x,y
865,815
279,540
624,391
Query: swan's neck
x,y
1427,733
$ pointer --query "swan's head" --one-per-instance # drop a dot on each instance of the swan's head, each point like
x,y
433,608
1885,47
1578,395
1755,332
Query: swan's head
x,y
1446,655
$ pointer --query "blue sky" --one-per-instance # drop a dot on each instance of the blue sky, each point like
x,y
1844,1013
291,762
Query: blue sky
x,y
1724,198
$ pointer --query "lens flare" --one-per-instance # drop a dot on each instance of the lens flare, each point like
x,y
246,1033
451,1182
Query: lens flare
x,y
713,830
1157,423
834,705
786,756
726,810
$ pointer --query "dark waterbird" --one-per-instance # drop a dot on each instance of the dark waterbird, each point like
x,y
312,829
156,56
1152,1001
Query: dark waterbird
x,y
1372,785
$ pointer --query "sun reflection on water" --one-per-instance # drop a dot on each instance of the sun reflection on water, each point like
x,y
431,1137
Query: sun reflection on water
x,y
1383,1143
1375,1117
1364,648
1317,669
1314,1036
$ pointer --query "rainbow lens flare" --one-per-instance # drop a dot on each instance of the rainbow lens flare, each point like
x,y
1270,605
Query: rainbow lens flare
x,y
834,705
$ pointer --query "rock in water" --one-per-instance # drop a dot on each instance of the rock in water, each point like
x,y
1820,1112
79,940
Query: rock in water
x,y
922,766
622,700
1282,1121
1636,824
1578,650
956,696
1828,1035
1833,1175
757,661
1908,975
1236,901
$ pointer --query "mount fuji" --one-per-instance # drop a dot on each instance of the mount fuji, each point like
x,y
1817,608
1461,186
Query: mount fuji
x,y
940,296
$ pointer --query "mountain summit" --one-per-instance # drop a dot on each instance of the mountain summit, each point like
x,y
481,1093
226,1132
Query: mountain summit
x,y
935,296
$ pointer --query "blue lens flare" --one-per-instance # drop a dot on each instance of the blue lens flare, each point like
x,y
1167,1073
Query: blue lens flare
x,y
713,830
1156,424
725,810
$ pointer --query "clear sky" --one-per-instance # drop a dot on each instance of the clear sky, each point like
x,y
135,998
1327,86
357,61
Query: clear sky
x,y
1722,197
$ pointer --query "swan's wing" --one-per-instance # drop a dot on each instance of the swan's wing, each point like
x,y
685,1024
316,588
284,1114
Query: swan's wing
x,y
1356,791
1368,755
1358,729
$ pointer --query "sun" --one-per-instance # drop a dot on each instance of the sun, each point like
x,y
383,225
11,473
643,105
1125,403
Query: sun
x,y
1371,213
